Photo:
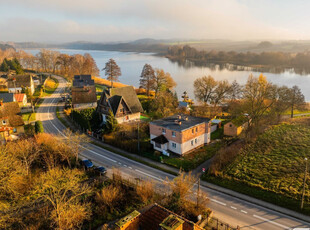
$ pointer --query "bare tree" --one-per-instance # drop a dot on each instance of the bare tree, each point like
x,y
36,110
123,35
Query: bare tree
x,y
112,71
204,88
296,99
147,78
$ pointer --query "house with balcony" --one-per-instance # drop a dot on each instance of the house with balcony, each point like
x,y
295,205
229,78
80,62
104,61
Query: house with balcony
x,y
180,133
123,102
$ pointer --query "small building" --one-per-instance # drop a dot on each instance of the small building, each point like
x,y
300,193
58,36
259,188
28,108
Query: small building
x,y
83,92
18,83
123,102
155,217
236,126
21,99
11,123
180,133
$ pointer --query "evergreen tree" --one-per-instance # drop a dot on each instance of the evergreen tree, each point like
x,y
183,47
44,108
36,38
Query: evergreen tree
x,y
4,66
111,124
39,127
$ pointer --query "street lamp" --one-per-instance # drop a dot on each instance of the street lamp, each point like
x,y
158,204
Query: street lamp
x,y
303,190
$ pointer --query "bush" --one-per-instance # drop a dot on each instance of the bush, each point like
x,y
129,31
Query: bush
x,y
39,127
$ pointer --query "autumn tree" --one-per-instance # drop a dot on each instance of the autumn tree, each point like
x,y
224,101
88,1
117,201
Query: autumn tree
x,y
110,196
65,191
112,71
164,104
163,81
204,88
145,191
147,78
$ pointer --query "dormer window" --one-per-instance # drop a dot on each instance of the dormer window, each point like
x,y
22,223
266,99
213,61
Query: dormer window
x,y
164,131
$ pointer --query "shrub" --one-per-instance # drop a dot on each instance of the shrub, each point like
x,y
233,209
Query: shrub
x,y
39,127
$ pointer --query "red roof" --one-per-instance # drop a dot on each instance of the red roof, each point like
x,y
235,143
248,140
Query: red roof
x,y
5,128
19,97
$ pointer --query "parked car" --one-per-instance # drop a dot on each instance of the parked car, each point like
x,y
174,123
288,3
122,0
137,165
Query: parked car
x,y
88,163
101,170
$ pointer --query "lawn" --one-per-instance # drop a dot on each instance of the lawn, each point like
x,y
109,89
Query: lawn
x,y
273,164
51,85
29,117
192,160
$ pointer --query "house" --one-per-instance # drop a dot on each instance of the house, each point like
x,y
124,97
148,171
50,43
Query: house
x,y
11,123
180,133
7,97
83,92
123,102
21,99
155,217
17,83
236,126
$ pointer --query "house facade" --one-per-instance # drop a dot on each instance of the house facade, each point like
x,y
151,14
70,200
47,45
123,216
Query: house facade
x,y
123,102
180,133
83,92
19,82
236,126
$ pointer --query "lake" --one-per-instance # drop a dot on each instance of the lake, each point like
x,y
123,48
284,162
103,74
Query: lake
x,y
131,65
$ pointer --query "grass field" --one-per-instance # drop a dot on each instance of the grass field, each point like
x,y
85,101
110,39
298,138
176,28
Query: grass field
x,y
51,85
28,117
273,166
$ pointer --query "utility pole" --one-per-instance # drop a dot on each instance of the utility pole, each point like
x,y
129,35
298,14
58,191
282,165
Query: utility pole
x,y
303,190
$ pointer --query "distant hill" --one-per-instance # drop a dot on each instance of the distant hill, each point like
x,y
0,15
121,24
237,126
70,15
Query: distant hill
x,y
6,46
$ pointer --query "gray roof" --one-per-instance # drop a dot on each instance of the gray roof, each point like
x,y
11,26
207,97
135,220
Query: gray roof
x,y
172,122
130,97
7,97
19,81
83,80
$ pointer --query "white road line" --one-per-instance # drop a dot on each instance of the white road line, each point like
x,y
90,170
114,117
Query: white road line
x,y
272,222
125,165
219,202
244,211
119,163
154,177
129,167
233,207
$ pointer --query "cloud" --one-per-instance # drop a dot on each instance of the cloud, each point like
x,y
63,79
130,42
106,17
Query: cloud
x,y
103,20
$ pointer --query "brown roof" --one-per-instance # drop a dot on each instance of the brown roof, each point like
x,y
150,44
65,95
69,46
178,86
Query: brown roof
x,y
86,94
128,94
156,214
12,111
20,81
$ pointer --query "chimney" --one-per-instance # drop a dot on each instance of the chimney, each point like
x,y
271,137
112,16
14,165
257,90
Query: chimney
x,y
180,122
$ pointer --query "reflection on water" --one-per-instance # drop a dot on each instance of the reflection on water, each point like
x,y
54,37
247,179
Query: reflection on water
x,y
184,73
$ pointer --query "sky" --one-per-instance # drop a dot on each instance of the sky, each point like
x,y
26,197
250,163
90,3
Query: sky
x,y
125,20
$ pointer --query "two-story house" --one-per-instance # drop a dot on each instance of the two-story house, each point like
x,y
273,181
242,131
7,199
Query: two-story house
x,y
180,133
83,92
123,102
18,83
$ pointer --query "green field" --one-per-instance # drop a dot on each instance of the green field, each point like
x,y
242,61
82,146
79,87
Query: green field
x,y
272,168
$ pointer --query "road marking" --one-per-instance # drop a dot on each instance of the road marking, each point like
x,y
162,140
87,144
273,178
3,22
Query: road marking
x,y
129,167
271,222
219,202
154,177
233,207
119,163
244,211
125,165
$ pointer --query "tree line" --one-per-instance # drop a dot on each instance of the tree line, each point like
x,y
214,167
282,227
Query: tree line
x,y
299,61
257,99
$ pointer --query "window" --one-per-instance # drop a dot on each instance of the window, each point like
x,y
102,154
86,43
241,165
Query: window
x,y
4,122
196,129
164,131
157,145
192,143
15,130
173,134
230,125
174,145
192,130
196,141
121,110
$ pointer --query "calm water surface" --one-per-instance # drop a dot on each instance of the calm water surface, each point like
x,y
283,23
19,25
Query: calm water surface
x,y
131,66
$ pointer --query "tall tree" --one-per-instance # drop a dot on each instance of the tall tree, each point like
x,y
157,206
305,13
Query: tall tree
x,y
221,92
112,71
296,99
147,78
163,81
204,88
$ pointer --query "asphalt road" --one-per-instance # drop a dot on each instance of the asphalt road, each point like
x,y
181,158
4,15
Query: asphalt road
x,y
227,208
